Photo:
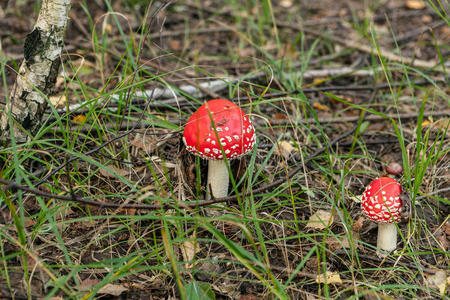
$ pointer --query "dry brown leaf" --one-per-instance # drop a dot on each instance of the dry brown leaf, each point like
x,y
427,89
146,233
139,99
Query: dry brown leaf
x,y
284,149
175,44
112,289
144,142
280,116
320,220
333,243
189,249
119,171
426,18
438,279
329,277
87,283
415,4
447,228
357,226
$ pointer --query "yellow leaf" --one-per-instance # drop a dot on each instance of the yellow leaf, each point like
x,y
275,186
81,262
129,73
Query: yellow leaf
x,y
284,149
329,277
318,81
415,4
57,101
79,120
321,107
189,249
320,220
286,3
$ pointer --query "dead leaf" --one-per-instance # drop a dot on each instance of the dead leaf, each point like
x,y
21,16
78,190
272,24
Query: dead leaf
x,y
175,44
286,3
357,226
144,142
320,107
57,101
119,171
112,289
319,81
447,228
280,116
29,222
333,243
329,277
426,19
441,238
79,120
415,4
189,249
320,220
284,149
87,283
426,122
438,280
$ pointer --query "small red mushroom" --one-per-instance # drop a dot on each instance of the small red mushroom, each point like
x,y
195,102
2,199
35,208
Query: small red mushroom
x,y
381,203
218,129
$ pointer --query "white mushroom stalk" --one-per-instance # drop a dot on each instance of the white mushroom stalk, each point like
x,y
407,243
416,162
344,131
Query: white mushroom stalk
x,y
218,179
387,236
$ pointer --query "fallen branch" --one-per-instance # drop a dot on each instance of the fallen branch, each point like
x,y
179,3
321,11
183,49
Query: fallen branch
x,y
340,119
385,53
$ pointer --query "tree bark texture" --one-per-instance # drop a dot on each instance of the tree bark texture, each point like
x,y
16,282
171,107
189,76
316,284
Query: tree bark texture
x,y
37,73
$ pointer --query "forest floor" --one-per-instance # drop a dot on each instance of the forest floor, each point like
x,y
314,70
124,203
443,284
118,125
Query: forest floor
x,y
337,90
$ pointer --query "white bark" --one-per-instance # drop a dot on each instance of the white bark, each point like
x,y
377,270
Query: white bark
x,y
387,236
38,71
218,179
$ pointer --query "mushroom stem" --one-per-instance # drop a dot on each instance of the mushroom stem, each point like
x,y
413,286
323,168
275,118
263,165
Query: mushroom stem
x,y
387,236
218,179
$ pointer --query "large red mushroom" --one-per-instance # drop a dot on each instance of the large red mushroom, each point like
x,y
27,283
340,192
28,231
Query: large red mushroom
x,y
218,129
381,203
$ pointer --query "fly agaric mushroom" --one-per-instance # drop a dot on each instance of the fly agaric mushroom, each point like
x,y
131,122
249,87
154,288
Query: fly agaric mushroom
x,y
381,203
218,129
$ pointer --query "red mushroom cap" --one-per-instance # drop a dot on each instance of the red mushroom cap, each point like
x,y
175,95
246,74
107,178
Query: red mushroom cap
x,y
381,201
234,129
